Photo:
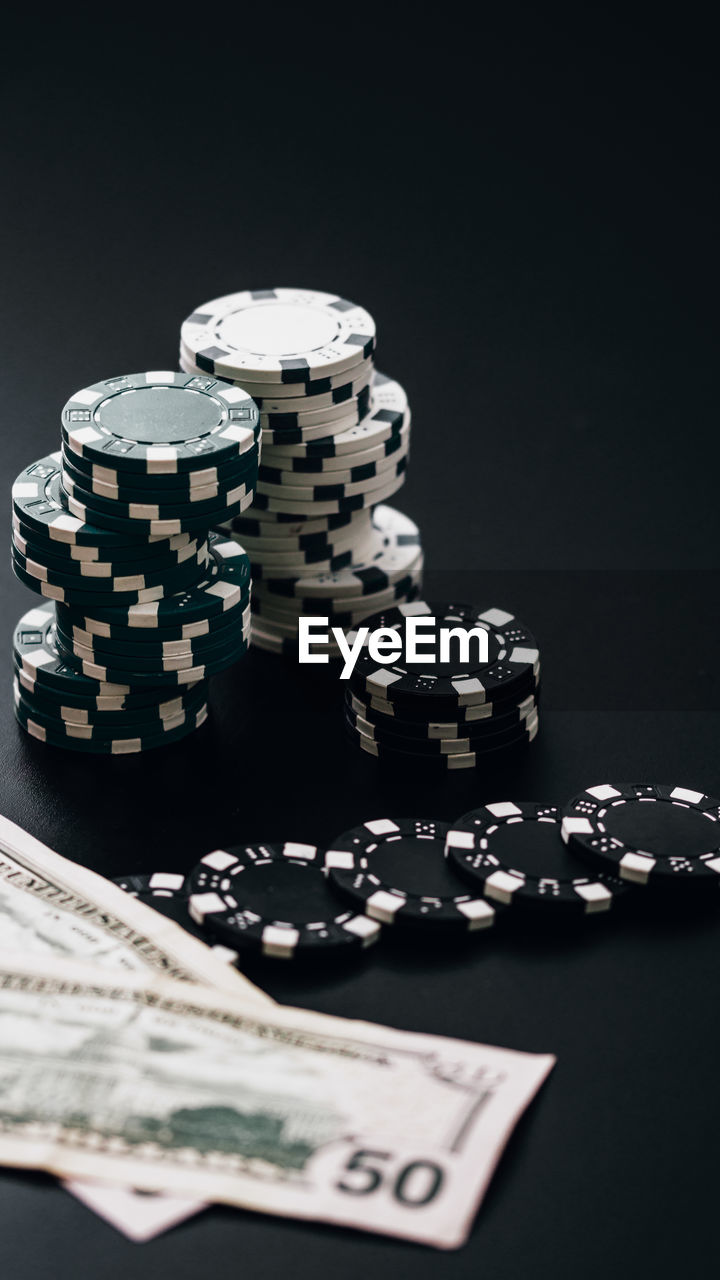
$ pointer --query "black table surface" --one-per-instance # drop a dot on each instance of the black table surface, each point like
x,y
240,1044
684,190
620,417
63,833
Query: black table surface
x,y
530,217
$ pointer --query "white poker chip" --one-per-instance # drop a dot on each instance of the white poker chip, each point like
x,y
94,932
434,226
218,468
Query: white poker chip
x,y
278,335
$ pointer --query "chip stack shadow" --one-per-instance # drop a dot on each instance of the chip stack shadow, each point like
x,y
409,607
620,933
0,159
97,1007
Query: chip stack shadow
x,y
335,446
143,602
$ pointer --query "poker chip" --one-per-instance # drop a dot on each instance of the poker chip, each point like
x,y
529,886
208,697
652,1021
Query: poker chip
x,y
393,550
336,467
155,551
278,335
312,503
126,518
172,485
225,587
160,582
414,715
274,899
513,853
340,386
312,422
292,607
39,505
131,631
160,675
154,643
103,730
512,666
427,757
83,738
279,524
397,872
170,498
167,893
160,884
271,568
86,570
377,724
280,546
143,660
160,422
115,720
646,833
345,396
386,417
346,614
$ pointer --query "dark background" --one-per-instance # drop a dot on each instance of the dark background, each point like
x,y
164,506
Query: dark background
x,y
530,214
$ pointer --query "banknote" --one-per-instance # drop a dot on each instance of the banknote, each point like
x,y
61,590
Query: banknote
x,y
135,1079
52,907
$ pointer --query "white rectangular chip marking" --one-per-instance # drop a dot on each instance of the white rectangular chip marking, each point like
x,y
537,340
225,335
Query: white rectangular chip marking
x,y
501,886
596,896
381,827
689,797
636,867
280,943
384,906
219,860
339,860
478,912
306,851
363,927
504,809
605,792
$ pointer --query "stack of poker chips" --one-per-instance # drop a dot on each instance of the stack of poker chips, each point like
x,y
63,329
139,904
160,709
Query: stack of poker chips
x,y
335,438
457,714
145,603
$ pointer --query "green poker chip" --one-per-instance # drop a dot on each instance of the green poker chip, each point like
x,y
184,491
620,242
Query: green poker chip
x,y
165,705
157,719
73,738
173,577
225,587
92,599
141,506
40,505
154,678
162,526
40,665
144,663
142,626
139,557
179,486
152,644
159,423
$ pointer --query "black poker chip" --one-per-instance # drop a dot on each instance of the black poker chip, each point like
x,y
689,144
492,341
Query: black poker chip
x,y
475,757
509,669
396,871
167,892
496,719
274,899
489,737
514,854
647,833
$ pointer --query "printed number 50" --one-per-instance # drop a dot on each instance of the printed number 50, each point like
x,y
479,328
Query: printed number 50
x,y
414,1186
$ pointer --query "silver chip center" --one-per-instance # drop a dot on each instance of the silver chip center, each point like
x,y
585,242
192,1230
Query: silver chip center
x,y
160,415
